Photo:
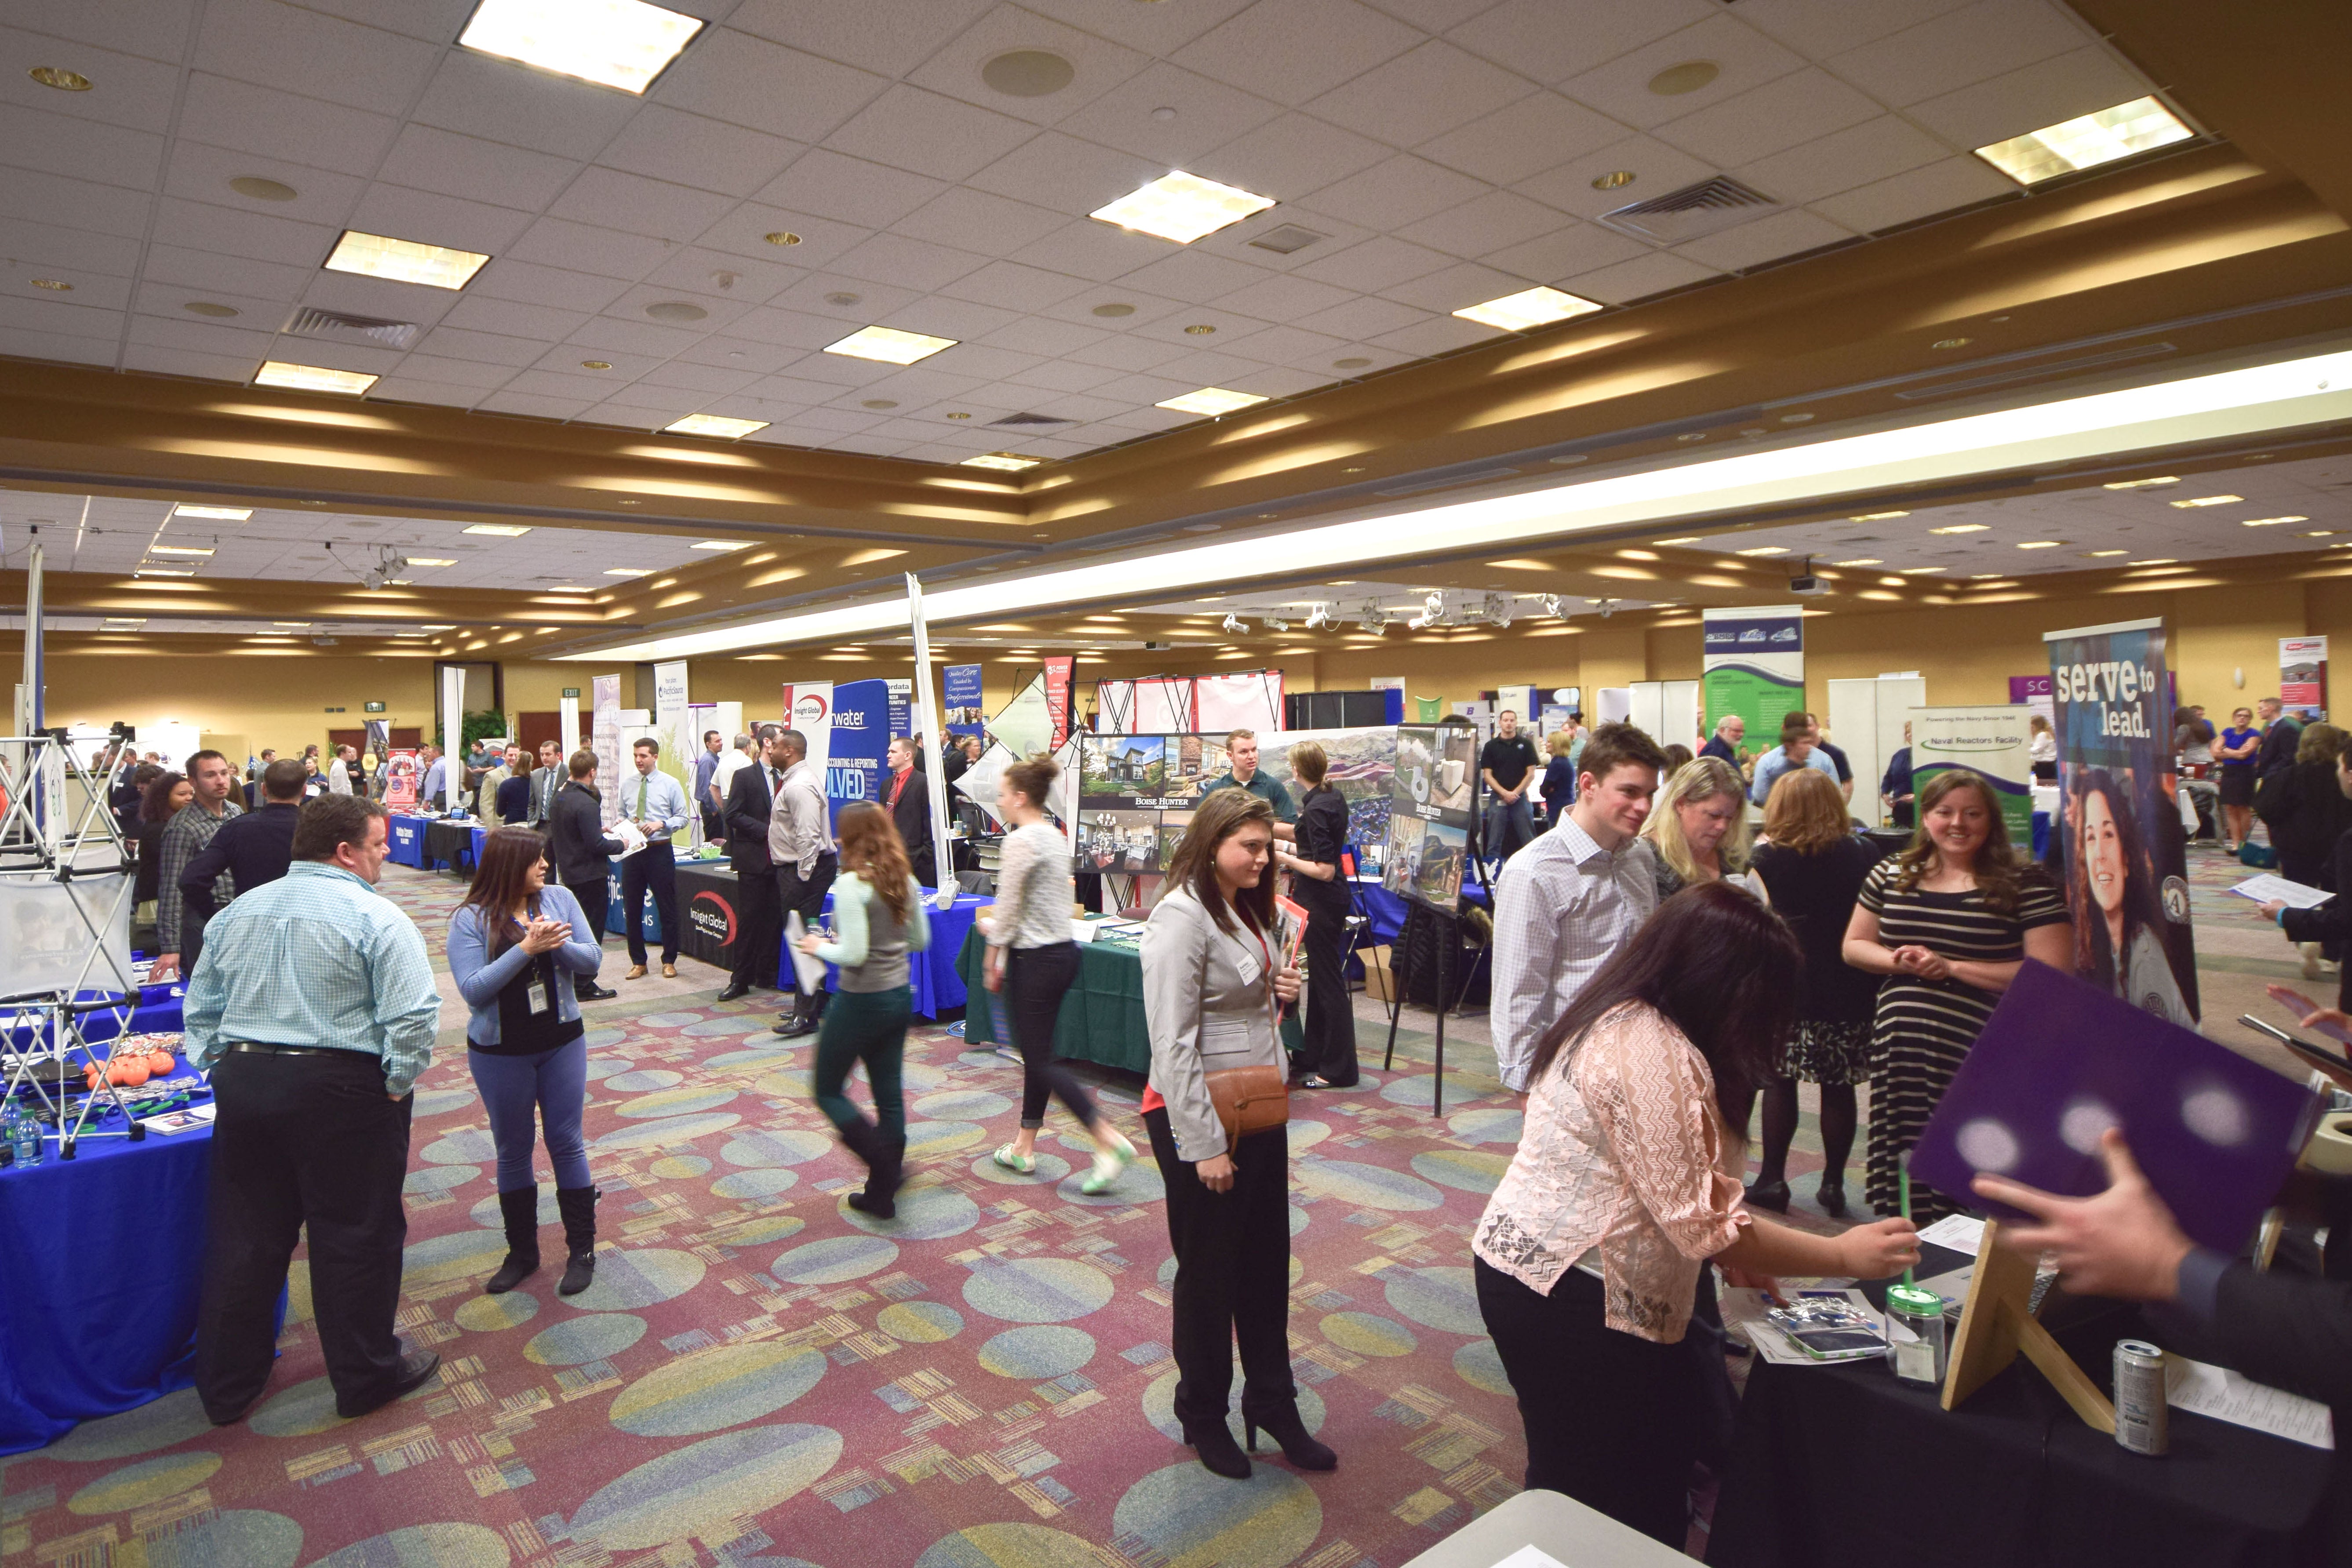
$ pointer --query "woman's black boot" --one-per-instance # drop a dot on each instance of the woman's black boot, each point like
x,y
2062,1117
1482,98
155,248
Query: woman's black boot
x,y
519,1210
578,1206
1219,1455
1284,1427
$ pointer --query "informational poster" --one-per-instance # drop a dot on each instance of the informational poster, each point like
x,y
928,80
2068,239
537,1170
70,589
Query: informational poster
x,y
902,705
1753,665
372,750
861,737
670,690
1989,739
2034,692
2118,841
604,740
808,708
1429,813
1360,763
965,713
1123,779
401,776
2302,675
1061,673
1022,726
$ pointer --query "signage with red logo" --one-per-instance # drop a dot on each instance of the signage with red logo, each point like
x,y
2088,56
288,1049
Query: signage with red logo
x,y
1061,673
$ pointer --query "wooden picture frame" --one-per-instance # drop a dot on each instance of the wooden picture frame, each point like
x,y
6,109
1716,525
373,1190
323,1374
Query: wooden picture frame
x,y
1997,1321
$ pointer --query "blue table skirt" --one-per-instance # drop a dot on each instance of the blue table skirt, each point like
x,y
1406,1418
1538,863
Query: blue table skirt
x,y
1385,911
2040,833
616,918
931,975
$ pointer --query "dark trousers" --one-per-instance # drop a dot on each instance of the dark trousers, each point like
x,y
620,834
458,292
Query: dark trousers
x,y
596,897
804,896
303,1144
761,938
1568,1366
656,867
868,1026
1036,979
1233,1275
1330,1026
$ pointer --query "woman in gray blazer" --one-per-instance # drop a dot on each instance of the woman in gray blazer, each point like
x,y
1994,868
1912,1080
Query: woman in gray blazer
x,y
1213,985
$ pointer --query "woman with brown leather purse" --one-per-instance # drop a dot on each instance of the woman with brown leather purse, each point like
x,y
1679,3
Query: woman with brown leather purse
x,y
1214,980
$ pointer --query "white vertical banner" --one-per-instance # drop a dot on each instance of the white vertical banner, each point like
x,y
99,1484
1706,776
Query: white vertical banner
x,y
929,733
670,689
604,740
808,708
567,726
453,714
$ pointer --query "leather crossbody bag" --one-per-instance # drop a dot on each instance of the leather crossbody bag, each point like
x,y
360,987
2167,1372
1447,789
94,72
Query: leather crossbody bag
x,y
1250,1099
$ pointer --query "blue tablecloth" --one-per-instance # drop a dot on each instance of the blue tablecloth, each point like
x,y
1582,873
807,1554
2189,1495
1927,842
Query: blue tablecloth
x,y
616,918
931,975
1384,910
2040,833
406,837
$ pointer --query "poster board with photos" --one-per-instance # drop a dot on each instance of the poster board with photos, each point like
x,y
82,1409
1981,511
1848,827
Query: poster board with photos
x,y
1429,801
1123,778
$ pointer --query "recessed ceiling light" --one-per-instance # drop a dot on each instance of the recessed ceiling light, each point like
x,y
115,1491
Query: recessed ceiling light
x,y
1961,528
1199,330
297,623
58,77
722,544
958,416
2207,501
1528,309
162,572
2085,141
219,514
210,308
1860,560
1952,342
2318,533
2142,484
1920,571
1764,550
498,530
1009,462
889,345
1692,538
262,190
1616,179
2269,522
1876,516
311,378
2156,560
55,285
714,425
2100,555
430,560
1211,400
2042,544
1182,207
628,571
176,550
623,44
595,365
781,236
404,260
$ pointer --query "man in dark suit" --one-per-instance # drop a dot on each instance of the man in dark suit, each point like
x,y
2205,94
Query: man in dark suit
x,y
750,798
261,847
583,857
545,780
907,792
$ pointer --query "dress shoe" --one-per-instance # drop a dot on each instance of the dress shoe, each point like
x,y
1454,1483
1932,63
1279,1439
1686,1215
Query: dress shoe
x,y
1832,1198
414,1371
669,972
1284,1427
1773,1196
596,993
637,971
735,988
795,1026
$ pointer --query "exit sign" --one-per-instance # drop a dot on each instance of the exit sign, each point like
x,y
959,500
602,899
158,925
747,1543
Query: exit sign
x,y
572,691
371,706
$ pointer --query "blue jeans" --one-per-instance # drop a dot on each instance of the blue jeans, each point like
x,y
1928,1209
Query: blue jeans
x,y
556,1083
1510,825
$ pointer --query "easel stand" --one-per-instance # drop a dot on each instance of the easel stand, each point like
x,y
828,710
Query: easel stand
x,y
1996,1323
1445,933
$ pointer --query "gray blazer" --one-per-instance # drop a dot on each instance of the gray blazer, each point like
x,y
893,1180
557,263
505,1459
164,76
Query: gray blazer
x,y
1208,998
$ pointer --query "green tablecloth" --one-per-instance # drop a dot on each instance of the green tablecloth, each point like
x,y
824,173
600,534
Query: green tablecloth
x,y
1102,1020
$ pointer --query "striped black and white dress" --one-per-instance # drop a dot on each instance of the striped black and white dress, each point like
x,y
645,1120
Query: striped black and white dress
x,y
1923,1028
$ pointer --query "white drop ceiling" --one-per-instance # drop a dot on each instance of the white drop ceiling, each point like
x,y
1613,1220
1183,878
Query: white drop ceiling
x,y
1444,150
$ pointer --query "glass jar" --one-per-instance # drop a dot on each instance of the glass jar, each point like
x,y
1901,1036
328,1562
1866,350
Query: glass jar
x,y
1916,1345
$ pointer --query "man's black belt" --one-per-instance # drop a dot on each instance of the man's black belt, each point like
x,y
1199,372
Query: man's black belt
x,y
259,1048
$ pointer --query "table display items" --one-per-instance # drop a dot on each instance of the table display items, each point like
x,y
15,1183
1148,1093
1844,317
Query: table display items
x,y
1916,1345
2141,1423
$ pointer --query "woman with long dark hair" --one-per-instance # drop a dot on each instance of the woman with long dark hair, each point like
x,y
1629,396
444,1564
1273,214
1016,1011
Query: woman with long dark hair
x,y
878,919
514,946
1033,959
158,804
1214,981
1318,881
2119,942
1626,1185
2306,813
1947,924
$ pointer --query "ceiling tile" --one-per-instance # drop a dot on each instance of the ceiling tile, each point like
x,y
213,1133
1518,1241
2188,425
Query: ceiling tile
x,y
1820,28
787,328
1328,364
1535,39
73,250
1746,58
744,232
976,221
1439,334
1467,283
582,248
586,389
1178,329
108,210
207,276
1206,114
1193,277
380,296
715,274
977,360
1423,92
152,29
1013,287
1282,381
264,41
432,219
127,90
849,189
746,80
1144,389
891,37
737,351
262,119
2042,94
437,20
1284,299
38,312
426,159
1485,224
1769,118
232,233
1656,169
1100,66
1376,264
1524,139
501,101
26,345
1957,49
1142,309
850,301
1855,156
1064,175
929,133
1363,319
1393,194
1293,50
635,204
531,406
1434,16
1059,375
247,347
185,361
412,389
449,371
1765,240
1579,247
1093,251
80,149
1129,354
159,298
1155,30
551,287
1919,193
1638,278
941,316
1040,335
513,318
664,144
1291,346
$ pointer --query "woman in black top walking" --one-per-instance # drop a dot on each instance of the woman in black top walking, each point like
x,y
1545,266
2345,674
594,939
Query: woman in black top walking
x,y
1813,868
1318,881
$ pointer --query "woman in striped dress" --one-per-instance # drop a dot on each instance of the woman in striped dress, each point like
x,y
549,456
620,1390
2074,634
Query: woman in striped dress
x,y
1948,921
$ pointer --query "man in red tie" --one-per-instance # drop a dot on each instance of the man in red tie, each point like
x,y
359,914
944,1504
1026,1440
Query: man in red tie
x,y
908,794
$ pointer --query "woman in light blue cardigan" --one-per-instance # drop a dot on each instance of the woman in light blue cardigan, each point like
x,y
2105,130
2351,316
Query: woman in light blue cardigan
x,y
527,1046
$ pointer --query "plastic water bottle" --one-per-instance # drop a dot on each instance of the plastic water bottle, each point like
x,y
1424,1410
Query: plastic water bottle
x,y
24,1137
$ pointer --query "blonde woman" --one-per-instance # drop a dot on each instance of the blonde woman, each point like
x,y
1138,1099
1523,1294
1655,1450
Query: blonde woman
x,y
1699,828
1560,776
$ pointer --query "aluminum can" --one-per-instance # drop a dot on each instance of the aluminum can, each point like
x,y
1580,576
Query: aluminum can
x,y
2141,1422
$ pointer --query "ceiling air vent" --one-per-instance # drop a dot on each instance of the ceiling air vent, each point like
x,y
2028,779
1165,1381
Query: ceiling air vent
x,y
1715,203
338,327
1287,239
1028,419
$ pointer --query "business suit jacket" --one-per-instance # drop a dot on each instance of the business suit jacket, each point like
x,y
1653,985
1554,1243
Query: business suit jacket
x,y
575,835
912,817
748,803
253,848
2294,1333
1208,1004
544,783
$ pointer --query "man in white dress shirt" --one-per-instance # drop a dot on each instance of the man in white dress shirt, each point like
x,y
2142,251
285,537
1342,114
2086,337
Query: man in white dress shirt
x,y
1567,902
656,803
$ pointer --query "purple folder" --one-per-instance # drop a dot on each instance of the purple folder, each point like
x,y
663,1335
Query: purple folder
x,y
2060,1061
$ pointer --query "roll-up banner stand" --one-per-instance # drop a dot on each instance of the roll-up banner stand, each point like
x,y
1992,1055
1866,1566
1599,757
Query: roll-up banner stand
x,y
1754,666
1988,739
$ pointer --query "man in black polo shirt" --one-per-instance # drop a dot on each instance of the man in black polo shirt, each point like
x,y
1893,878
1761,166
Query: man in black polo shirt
x,y
253,849
1241,773
1504,764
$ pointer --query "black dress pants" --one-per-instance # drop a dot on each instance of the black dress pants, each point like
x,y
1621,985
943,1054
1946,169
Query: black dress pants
x,y
1613,1420
303,1145
1036,981
760,940
1233,1275
596,897
805,895
654,868
1330,1026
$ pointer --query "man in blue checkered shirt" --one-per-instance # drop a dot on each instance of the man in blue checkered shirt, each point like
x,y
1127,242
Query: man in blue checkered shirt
x,y
313,1008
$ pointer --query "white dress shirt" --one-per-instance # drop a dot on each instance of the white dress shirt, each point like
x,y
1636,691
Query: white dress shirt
x,y
799,830
1562,907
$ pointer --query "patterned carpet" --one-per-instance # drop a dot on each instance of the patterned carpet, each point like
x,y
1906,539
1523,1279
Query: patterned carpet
x,y
763,1376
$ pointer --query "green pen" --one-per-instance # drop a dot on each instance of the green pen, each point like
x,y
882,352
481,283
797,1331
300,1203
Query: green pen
x,y
1902,1170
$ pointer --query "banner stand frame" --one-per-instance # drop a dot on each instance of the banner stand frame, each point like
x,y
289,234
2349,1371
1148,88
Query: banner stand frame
x,y
1446,937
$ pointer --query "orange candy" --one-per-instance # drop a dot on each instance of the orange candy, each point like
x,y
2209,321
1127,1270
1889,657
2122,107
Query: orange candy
x,y
159,1063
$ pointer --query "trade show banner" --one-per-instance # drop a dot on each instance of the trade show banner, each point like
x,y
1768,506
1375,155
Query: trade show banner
x,y
401,777
1753,664
1022,726
861,738
2302,675
604,740
1136,794
901,707
965,714
2034,692
1429,813
808,708
453,713
1988,739
2118,841
1061,672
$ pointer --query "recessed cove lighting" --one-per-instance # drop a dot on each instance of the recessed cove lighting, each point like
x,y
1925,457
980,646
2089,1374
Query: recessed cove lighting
x,y
2042,544
404,260
162,572
295,624
1876,516
2269,522
431,561
2156,561
889,345
1920,571
1007,462
1182,207
722,544
2102,554
497,530
714,425
2085,141
176,550
218,514
1527,309
1688,538
1764,550
1961,528
1860,560
2207,501
628,571
2142,484
623,44
1212,400
311,378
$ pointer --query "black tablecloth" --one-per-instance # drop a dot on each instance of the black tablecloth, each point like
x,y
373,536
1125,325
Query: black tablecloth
x,y
710,918
1847,1465
451,843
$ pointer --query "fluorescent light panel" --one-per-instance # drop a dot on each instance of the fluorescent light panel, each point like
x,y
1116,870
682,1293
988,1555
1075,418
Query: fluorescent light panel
x,y
2303,393
2085,141
217,513
1961,528
404,260
311,378
2207,501
176,550
621,44
722,544
431,561
1212,400
498,530
1527,310
887,344
1182,207
1005,462
714,425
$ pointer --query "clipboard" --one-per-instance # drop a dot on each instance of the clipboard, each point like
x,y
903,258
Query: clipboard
x,y
810,968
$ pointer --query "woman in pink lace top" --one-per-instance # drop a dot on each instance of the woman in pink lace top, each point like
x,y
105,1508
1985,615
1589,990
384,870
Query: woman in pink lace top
x,y
1626,1185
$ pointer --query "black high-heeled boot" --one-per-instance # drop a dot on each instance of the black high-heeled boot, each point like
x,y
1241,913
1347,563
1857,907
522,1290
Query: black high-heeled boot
x,y
578,1206
518,1211
1284,1427
884,1175
1219,1455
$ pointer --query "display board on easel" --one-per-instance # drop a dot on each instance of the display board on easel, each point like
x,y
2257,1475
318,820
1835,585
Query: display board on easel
x,y
1428,814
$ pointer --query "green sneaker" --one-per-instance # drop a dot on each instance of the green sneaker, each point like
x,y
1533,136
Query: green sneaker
x,y
1024,1164
1108,1166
